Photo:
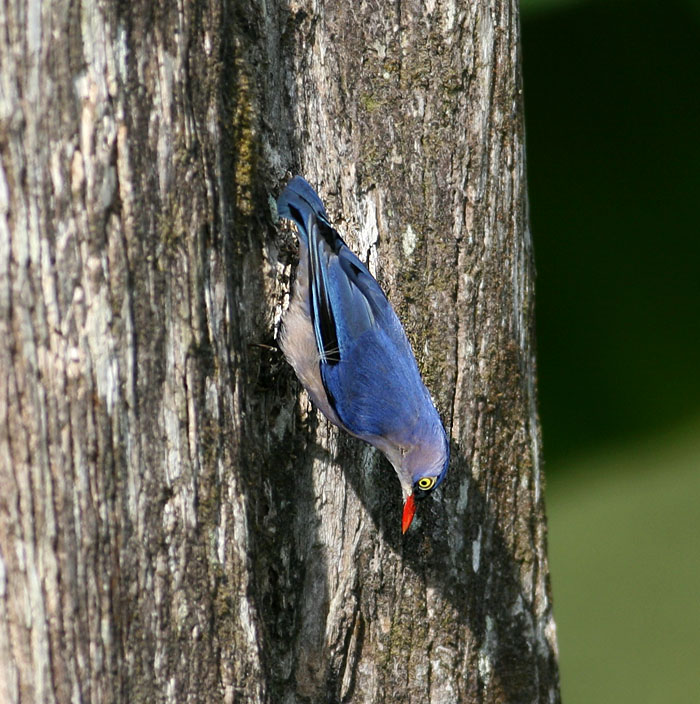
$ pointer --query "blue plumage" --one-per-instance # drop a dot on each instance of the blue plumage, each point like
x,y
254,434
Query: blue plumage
x,y
348,348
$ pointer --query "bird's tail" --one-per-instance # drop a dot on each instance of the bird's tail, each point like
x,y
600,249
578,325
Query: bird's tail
x,y
297,202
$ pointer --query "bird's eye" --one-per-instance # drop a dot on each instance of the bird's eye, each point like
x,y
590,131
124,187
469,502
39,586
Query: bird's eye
x,y
426,483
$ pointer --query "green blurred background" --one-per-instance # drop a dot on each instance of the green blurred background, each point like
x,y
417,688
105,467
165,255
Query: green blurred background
x,y
612,103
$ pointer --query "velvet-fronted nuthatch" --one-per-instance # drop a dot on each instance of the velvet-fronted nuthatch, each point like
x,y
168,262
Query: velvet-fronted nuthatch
x,y
347,347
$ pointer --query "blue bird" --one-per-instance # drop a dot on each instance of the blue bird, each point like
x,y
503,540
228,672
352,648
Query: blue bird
x,y
346,345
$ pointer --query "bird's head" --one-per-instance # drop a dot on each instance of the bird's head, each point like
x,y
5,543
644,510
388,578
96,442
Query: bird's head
x,y
421,473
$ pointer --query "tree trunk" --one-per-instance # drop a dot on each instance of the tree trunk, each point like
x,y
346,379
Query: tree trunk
x,y
176,522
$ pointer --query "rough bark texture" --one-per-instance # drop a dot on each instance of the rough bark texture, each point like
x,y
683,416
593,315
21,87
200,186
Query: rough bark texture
x,y
176,522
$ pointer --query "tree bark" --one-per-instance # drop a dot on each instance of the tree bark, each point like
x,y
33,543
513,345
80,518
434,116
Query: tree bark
x,y
176,522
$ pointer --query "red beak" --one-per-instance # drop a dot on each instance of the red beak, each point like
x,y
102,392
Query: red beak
x,y
409,511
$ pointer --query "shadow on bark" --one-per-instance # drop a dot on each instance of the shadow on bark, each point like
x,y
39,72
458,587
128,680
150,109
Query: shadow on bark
x,y
429,551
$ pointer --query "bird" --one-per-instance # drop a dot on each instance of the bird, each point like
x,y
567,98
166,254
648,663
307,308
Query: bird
x,y
349,350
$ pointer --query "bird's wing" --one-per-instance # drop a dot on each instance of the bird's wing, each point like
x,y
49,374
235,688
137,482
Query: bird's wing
x,y
345,298
372,382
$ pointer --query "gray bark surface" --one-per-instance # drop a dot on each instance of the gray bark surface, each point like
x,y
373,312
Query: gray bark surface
x,y
177,523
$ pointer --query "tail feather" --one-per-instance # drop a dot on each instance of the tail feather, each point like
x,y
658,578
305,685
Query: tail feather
x,y
297,202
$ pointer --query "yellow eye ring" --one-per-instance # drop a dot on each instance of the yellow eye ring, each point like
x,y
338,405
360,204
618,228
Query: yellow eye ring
x,y
426,483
